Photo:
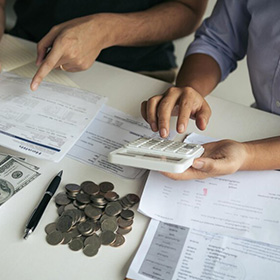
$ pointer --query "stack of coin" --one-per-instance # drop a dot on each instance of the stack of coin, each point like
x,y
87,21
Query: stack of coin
x,y
91,215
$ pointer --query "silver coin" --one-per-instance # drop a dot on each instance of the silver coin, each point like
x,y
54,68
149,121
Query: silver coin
x,y
85,227
95,240
90,187
93,212
109,224
74,233
111,196
124,223
6,190
64,223
133,198
83,198
60,210
127,214
119,240
69,207
73,188
90,250
62,199
106,187
76,244
124,231
54,238
67,237
107,237
113,208
50,228
98,199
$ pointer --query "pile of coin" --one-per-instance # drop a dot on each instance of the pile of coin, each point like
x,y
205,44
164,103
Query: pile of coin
x,y
91,215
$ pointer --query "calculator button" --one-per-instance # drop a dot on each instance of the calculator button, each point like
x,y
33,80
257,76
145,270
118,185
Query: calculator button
x,y
174,147
162,145
187,149
138,142
150,144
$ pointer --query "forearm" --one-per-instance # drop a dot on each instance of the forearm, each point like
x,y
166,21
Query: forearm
x,y
2,18
262,154
164,22
200,72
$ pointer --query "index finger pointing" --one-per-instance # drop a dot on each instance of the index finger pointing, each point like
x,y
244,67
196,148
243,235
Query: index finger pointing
x,y
45,68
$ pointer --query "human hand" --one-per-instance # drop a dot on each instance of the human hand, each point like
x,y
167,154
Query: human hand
x,y
75,44
219,158
183,102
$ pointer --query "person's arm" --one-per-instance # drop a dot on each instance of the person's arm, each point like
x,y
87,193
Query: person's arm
x,y
77,43
219,43
198,76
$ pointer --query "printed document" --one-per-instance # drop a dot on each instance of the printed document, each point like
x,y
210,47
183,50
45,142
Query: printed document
x,y
110,130
244,204
45,123
15,57
172,252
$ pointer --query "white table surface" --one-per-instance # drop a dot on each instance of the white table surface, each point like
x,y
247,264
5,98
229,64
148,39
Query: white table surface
x,y
35,258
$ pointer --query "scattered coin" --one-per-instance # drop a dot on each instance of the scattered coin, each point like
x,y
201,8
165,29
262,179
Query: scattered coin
x,y
50,228
54,238
107,237
90,250
118,241
76,244
127,214
106,187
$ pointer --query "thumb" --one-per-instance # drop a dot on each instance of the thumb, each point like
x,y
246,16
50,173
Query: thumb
x,y
209,165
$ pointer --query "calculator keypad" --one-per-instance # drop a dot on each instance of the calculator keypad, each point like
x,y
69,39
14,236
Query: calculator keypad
x,y
163,145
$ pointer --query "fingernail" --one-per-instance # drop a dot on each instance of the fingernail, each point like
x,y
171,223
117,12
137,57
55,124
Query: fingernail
x,y
154,127
34,86
198,164
163,132
181,128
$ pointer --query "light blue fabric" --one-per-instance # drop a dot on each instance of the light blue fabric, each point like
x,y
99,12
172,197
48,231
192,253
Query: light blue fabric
x,y
238,28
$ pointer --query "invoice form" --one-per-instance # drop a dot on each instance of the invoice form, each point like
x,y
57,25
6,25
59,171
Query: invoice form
x,y
45,123
171,252
244,204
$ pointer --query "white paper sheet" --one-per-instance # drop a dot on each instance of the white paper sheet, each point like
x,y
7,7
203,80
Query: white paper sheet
x,y
245,204
110,130
45,123
170,252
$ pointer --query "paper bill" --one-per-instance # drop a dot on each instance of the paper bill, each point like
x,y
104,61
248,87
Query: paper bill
x,y
14,175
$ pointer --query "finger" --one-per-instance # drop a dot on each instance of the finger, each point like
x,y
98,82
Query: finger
x,y
187,105
165,109
202,116
151,111
189,174
51,62
44,46
144,110
214,167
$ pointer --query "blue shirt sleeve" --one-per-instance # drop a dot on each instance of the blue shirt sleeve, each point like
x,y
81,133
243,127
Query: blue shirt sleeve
x,y
224,35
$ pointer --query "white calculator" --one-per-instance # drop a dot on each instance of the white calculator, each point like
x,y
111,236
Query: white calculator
x,y
157,154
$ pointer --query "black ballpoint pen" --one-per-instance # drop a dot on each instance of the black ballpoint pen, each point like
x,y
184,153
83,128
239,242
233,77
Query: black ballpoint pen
x,y
39,210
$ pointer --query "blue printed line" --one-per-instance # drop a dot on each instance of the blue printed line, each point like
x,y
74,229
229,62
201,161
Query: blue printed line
x,y
29,141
